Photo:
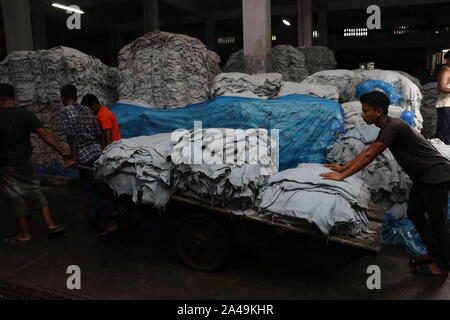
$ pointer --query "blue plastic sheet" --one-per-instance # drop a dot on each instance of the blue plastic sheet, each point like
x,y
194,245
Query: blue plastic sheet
x,y
402,232
369,86
307,125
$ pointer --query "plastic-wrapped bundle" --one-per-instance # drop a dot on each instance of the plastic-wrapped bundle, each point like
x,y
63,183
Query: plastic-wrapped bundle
x,y
387,182
428,109
372,85
319,58
411,95
410,77
344,80
138,167
165,70
330,205
223,166
262,86
38,77
321,91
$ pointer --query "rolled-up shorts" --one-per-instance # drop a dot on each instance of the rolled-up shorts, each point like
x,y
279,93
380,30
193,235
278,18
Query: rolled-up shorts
x,y
21,188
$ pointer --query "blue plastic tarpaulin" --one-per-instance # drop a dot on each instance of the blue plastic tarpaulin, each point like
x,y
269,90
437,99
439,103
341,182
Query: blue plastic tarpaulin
x,y
370,85
307,125
402,232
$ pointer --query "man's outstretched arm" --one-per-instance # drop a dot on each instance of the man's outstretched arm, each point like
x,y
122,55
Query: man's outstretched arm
x,y
360,162
49,140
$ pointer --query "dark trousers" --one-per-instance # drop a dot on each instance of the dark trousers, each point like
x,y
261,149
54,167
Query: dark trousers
x,y
443,124
101,208
428,210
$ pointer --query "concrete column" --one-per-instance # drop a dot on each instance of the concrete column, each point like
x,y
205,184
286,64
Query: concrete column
x,y
211,35
304,23
323,27
39,31
17,22
151,15
257,36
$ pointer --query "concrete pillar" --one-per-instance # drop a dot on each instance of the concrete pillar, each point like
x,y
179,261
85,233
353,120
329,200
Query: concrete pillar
x,y
211,35
323,27
17,23
257,36
39,31
304,23
151,15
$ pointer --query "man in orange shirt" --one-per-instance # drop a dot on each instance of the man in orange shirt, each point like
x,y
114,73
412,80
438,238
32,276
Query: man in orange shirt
x,y
106,119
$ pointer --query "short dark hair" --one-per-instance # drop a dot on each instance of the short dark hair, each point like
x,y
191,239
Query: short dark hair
x,y
377,100
447,55
7,91
89,99
69,92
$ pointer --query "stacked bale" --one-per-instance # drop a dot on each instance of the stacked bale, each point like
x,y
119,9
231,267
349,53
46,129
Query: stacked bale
x,y
262,86
38,77
290,62
428,109
165,70
295,64
319,58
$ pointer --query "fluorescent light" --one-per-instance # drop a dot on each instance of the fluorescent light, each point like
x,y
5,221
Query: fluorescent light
x,y
60,6
286,22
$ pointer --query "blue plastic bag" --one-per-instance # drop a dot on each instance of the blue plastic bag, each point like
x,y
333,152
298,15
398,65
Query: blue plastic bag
x,y
403,232
408,117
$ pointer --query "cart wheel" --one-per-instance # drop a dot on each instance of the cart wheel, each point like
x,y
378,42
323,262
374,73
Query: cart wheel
x,y
202,243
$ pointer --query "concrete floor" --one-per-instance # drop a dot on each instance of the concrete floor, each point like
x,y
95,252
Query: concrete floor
x,y
144,265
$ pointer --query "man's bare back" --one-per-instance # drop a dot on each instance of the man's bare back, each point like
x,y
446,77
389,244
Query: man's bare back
x,y
444,80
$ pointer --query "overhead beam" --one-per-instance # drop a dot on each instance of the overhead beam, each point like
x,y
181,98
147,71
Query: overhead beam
x,y
340,5
189,6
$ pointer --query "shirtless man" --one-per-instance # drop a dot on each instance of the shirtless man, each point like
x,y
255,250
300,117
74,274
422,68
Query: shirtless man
x,y
443,102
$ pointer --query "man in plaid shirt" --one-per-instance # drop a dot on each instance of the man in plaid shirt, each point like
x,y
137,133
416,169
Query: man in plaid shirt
x,y
81,128
84,136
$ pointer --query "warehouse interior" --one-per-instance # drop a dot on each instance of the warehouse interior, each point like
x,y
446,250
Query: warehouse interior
x,y
412,31
285,75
